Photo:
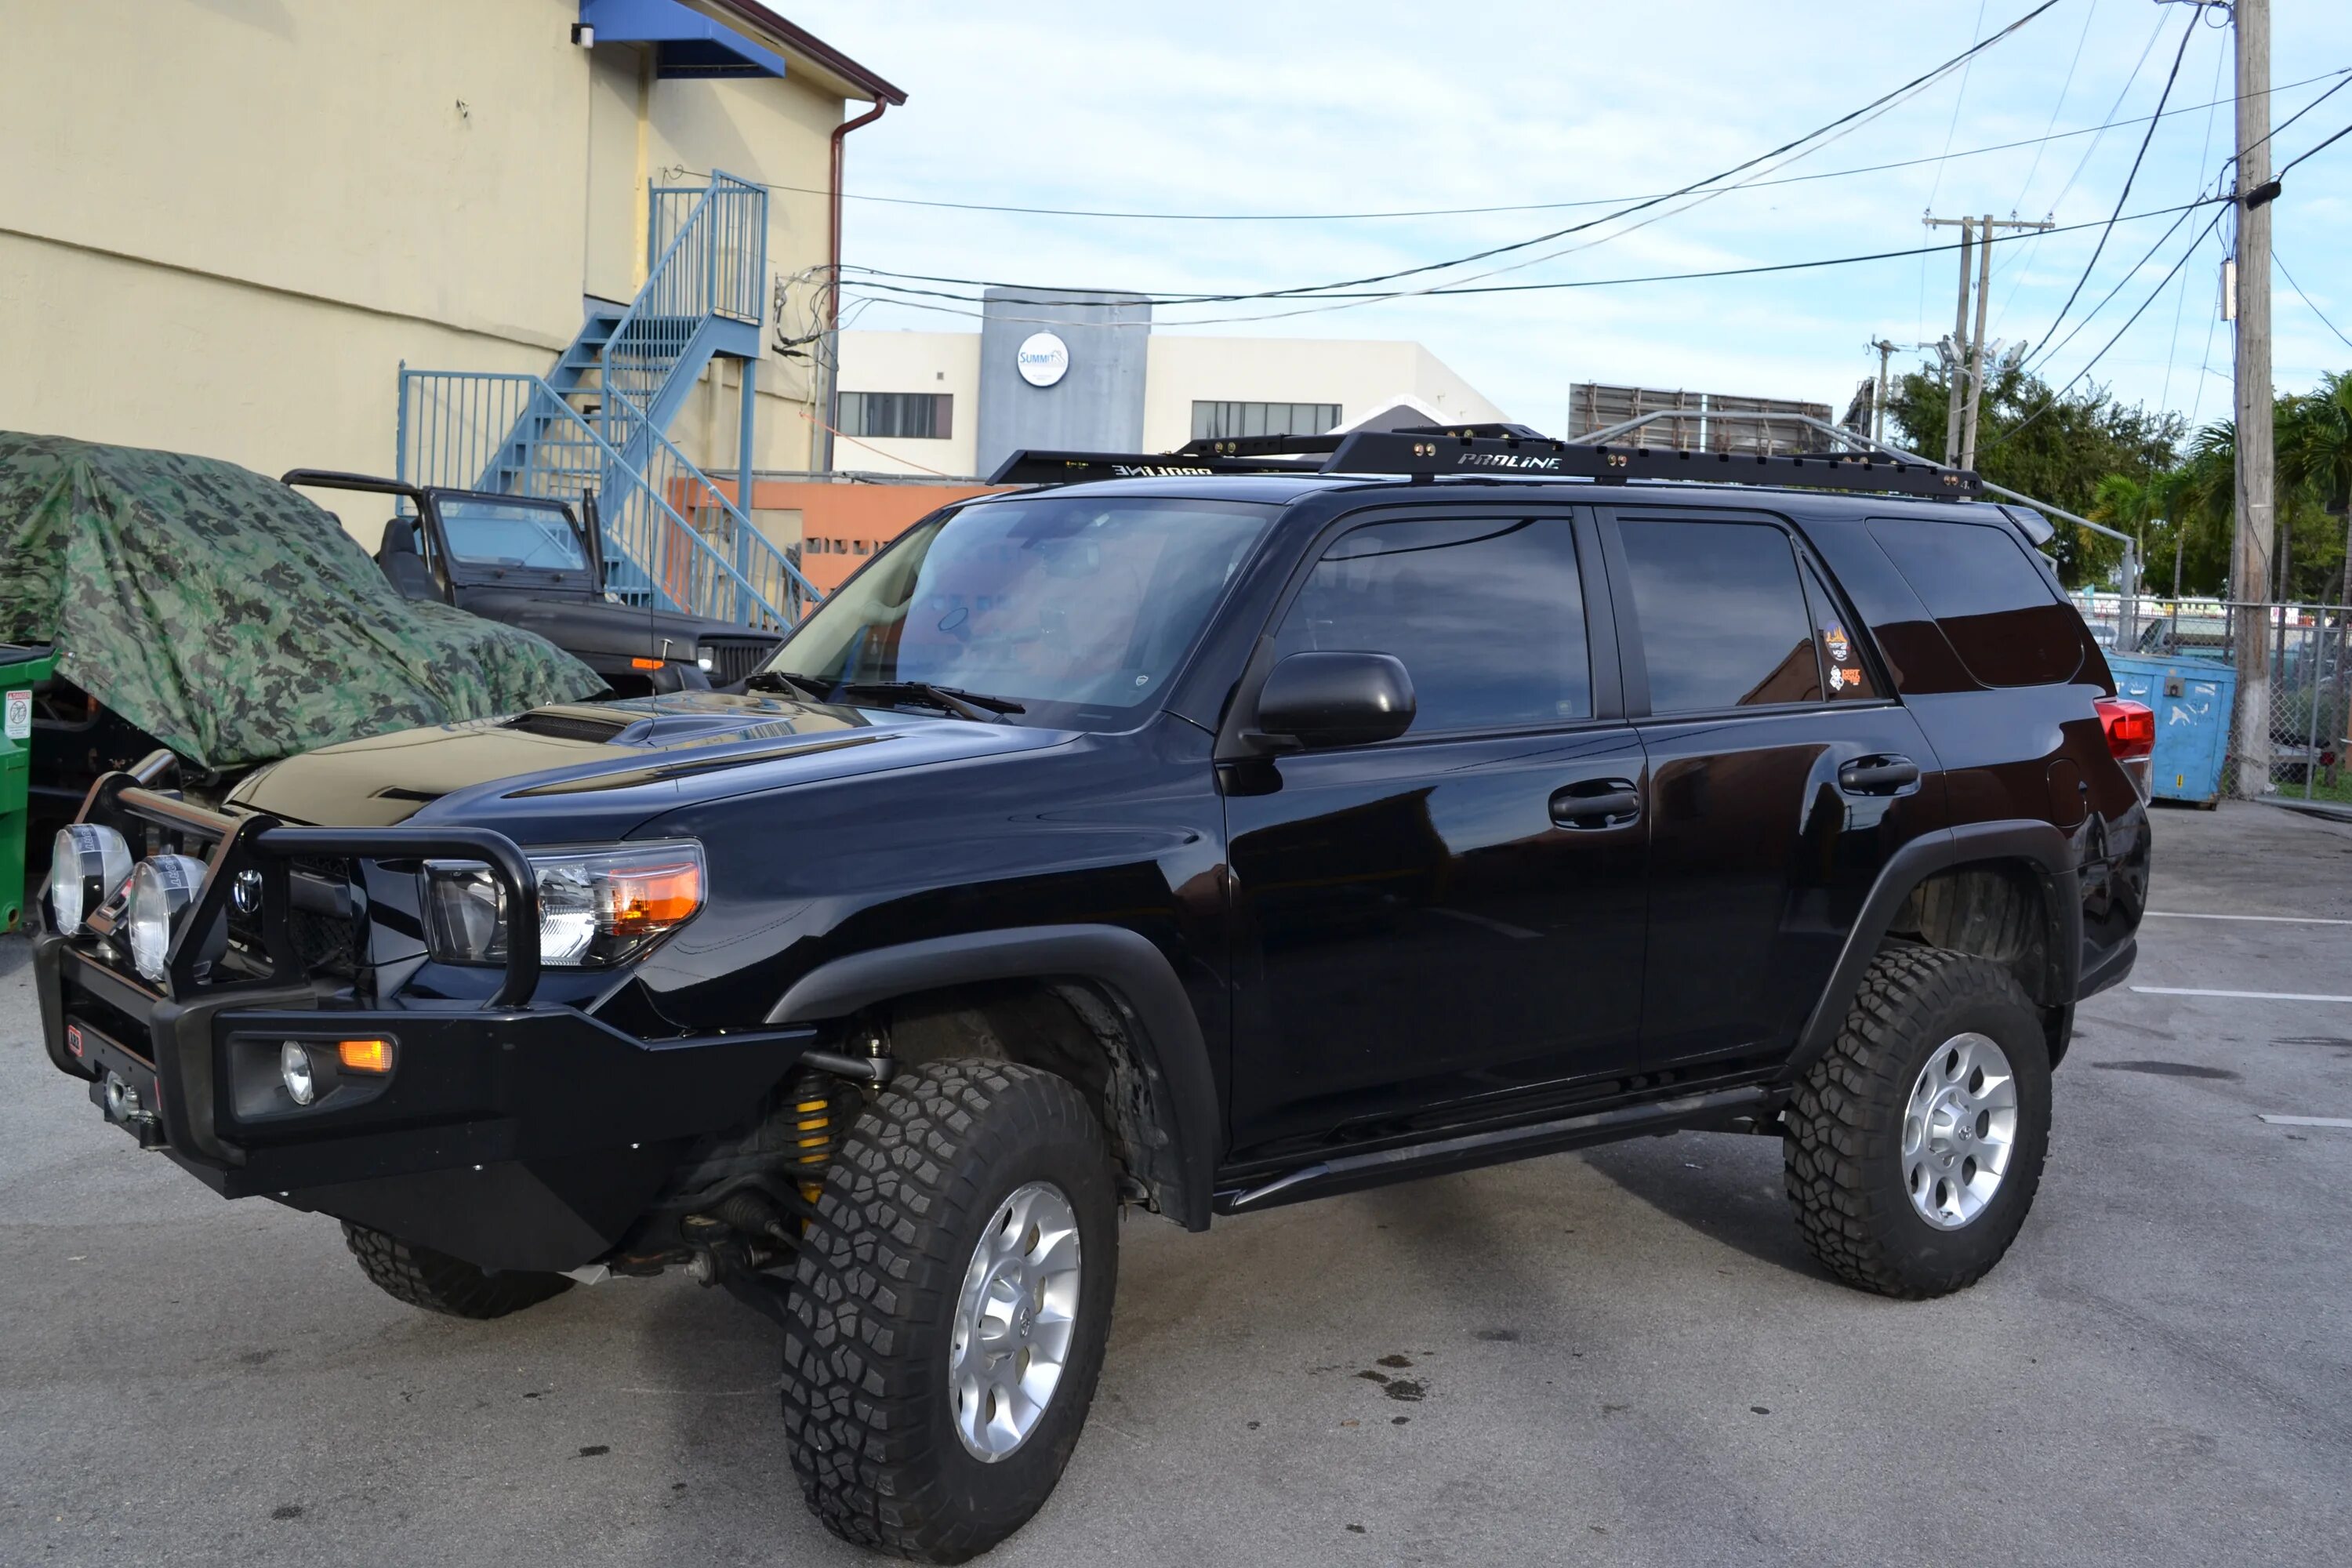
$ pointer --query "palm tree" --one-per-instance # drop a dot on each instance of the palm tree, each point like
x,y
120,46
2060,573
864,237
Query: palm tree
x,y
2315,442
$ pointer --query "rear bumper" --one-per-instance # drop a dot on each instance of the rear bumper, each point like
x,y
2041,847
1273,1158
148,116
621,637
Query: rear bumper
x,y
513,1137
2107,968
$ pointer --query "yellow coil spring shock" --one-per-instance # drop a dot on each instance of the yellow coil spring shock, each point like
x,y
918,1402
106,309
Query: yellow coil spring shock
x,y
821,1107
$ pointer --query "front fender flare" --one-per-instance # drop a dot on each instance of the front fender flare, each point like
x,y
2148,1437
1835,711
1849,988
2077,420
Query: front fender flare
x,y
2036,843
1125,963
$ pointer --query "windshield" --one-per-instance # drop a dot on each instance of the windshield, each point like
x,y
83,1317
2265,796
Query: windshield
x,y
1077,602
496,533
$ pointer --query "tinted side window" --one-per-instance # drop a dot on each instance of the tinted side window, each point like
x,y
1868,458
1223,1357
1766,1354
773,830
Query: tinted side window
x,y
1723,623
1998,610
1488,615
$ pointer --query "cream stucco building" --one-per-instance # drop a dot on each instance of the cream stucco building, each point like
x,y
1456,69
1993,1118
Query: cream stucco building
x,y
224,227
1180,386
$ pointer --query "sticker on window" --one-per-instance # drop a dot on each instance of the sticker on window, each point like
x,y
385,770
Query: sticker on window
x,y
1841,654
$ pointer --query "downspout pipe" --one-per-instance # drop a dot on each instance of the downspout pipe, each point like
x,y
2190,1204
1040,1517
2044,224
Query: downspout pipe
x,y
831,418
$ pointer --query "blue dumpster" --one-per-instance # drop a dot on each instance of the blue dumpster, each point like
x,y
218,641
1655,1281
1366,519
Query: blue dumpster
x,y
2192,697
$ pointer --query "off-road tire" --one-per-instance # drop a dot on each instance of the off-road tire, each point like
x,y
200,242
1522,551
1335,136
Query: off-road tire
x,y
440,1283
1842,1146
867,1330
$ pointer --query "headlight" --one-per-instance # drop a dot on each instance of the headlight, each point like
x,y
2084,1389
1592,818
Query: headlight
x,y
597,907
86,864
160,888
705,659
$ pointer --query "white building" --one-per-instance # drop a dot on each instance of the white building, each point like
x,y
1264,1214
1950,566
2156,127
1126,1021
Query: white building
x,y
911,401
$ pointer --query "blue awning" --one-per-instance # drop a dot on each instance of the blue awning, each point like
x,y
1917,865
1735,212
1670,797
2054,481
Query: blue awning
x,y
686,43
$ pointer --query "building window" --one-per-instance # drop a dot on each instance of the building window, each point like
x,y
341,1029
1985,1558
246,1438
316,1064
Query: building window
x,y
920,415
1217,420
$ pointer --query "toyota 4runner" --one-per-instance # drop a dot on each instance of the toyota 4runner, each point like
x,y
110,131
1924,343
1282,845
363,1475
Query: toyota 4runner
x,y
1198,834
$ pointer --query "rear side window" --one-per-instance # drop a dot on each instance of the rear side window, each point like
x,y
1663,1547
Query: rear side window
x,y
1486,615
1724,620
1850,674
1999,614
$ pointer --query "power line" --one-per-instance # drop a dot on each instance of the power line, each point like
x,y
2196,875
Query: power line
x,y
2097,251
969,300
2058,107
1959,100
1846,120
2306,300
2130,82
1336,296
2129,273
2309,150
2052,401
2214,101
2298,114
2180,300
2342,73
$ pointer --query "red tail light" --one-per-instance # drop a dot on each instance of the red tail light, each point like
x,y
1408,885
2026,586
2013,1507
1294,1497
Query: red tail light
x,y
2130,727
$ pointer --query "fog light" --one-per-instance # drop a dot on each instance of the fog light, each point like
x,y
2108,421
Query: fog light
x,y
87,863
294,1068
162,887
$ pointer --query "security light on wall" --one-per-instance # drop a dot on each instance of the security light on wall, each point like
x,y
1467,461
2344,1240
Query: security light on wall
x,y
584,35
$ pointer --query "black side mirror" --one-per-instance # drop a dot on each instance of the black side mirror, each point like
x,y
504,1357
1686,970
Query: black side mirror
x,y
1336,698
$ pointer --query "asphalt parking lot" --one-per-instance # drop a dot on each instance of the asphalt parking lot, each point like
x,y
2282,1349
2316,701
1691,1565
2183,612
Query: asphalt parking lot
x,y
1619,1356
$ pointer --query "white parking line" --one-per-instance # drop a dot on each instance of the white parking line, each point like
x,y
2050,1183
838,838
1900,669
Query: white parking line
x,y
2273,920
2241,996
2308,1121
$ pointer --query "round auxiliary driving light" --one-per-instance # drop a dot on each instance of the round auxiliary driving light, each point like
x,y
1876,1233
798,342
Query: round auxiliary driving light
x,y
87,863
294,1068
162,887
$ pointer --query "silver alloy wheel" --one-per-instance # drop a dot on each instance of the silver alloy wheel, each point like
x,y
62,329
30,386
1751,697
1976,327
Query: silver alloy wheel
x,y
1959,1129
1014,1321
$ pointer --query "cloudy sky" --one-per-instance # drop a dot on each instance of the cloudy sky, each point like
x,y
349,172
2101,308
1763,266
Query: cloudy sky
x,y
1252,109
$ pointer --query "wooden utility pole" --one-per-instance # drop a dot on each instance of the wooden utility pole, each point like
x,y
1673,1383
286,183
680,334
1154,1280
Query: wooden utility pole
x,y
2250,563
1956,365
1967,371
1878,409
1976,371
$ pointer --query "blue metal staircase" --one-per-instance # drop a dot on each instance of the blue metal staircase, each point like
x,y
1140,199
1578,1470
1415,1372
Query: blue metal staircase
x,y
599,420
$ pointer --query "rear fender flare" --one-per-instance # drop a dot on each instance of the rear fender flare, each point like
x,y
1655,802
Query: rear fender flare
x,y
1124,963
2037,844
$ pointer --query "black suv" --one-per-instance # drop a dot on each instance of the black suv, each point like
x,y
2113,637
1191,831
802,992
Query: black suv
x,y
1269,822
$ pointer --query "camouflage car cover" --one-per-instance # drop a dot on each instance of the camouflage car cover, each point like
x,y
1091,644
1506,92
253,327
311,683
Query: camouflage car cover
x,y
231,618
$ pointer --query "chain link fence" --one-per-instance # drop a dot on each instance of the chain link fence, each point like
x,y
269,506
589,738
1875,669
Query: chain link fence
x,y
2310,660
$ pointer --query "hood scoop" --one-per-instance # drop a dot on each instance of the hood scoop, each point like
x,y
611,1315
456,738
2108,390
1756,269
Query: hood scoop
x,y
558,724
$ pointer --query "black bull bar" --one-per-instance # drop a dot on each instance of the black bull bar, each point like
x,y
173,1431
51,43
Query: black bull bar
x,y
512,1136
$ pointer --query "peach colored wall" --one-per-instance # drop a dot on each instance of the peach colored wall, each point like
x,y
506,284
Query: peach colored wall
x,y
842,525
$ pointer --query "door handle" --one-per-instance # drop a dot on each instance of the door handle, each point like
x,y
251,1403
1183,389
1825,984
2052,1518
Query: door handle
x,y
1600,802
1877,775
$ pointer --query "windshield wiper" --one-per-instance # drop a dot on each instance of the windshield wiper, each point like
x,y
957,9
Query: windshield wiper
x,y
790,685
976,705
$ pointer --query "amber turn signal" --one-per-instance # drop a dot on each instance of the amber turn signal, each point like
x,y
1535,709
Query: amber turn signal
x,y
645,899
364,1055
644,663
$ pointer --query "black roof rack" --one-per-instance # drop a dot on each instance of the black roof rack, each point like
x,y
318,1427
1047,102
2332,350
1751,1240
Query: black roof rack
x,y
1426,452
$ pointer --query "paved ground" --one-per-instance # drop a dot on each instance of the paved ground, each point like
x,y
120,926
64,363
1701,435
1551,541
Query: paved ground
x,y
1617,1357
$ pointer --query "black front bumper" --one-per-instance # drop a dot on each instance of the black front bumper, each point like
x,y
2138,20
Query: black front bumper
x,y
512,1137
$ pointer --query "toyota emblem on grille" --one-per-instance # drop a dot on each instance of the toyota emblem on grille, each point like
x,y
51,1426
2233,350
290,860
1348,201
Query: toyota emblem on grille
x,y
246,892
